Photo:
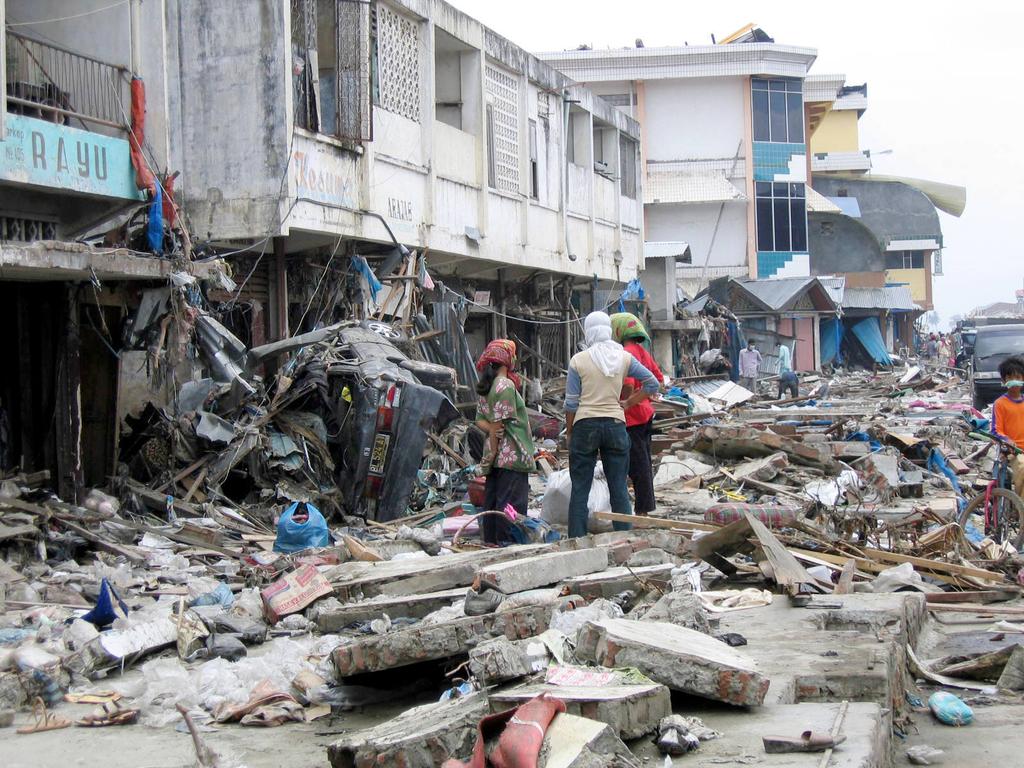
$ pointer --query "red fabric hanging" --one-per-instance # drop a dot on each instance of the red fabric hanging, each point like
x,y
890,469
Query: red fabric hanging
x,y
143,175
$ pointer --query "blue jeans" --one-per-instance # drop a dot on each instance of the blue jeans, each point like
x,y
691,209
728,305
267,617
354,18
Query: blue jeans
x,y
608,438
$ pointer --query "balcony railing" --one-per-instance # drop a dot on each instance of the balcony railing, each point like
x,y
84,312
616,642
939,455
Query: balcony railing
x,y
56,84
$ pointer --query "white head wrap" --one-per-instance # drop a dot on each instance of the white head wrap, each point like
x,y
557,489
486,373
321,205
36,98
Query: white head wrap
x,y
606,354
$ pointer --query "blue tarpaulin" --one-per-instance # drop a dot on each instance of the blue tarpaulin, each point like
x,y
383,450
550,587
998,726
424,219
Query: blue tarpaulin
x,y
831,334
155,225
869,334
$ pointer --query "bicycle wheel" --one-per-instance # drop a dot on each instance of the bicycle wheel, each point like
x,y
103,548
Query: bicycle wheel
x,y
1012,505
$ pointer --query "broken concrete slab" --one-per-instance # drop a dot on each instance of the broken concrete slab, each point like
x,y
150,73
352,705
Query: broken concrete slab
x,y
500,660
412,607
578,742
615,580
765,469
542,570
747,442
854,652
631,710
684,609
867,727
682,659
421,737
359,580
437,641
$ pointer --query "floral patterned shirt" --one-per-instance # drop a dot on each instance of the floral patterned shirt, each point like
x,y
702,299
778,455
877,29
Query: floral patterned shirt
x,y
503,403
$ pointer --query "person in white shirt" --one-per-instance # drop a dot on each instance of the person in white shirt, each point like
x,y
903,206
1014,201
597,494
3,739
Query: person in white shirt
x,y
750,361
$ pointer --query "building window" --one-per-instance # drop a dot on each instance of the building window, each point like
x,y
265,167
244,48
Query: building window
x,y
781,217
778,110
503,128
456,83
534,185
904,260
331,66
627,167
398,62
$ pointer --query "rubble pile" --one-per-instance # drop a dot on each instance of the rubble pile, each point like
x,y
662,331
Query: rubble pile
x,y
242,570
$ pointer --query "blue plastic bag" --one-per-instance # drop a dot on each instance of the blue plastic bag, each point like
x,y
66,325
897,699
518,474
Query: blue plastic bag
x,y
949,709
108,607
293,536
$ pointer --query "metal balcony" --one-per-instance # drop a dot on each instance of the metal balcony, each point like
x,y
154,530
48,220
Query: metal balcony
x,y
48,82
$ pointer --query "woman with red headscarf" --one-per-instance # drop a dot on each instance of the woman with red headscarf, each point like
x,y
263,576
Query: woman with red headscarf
x,y
508,454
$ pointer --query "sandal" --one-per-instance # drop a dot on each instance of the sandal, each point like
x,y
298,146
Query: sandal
x,y
110,713
45,720
808,741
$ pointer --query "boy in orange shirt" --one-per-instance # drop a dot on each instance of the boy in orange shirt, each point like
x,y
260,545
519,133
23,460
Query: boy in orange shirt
x,y
1008,414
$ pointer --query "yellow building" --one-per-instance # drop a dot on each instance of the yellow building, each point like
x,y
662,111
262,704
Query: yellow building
x,y
886,230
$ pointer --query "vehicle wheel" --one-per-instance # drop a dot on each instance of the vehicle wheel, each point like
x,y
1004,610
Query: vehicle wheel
x,y
1013,505
384,330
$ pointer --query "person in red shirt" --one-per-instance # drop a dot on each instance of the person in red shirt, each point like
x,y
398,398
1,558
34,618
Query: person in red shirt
x,y
630,332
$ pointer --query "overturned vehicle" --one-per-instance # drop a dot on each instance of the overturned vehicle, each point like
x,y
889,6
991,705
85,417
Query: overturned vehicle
x,y
340,417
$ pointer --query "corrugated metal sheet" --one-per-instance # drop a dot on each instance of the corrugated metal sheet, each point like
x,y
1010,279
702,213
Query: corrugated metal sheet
x,y
777,293
836,287
693,279
665,248
893,297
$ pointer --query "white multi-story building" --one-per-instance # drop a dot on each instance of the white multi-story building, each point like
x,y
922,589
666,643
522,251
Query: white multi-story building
x,y
724,149
313,120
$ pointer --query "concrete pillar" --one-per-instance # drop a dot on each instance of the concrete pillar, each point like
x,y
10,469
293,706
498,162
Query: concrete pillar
x,y
661,348
280,325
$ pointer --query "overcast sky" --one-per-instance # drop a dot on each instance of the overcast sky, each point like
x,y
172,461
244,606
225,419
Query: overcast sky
x,y
944,85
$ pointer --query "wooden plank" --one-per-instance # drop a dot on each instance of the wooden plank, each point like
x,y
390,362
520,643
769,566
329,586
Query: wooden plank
x,y
935,565
640,521
984,610
845,584
766,487
788,571
975,596
447,449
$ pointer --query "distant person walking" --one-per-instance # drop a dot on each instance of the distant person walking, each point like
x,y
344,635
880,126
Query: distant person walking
x,y
508,452
630,332
750,361
595,420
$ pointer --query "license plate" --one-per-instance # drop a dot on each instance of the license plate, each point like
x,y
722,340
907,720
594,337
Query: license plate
x,y
379,454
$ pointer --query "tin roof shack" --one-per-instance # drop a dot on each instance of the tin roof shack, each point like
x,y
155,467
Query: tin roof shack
x,y
876,323
782,310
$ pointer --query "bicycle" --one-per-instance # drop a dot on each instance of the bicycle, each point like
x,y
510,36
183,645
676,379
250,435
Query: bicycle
x,y
1000,507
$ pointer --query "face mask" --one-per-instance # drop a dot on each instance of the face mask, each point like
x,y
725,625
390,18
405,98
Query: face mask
x,y
1013,383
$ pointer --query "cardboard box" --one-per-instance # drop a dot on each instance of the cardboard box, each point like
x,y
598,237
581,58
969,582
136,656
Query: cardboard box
x,y
293,592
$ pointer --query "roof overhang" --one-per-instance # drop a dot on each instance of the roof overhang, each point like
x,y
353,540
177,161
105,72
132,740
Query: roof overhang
x,y
666,249
920,244
56,261
769,59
